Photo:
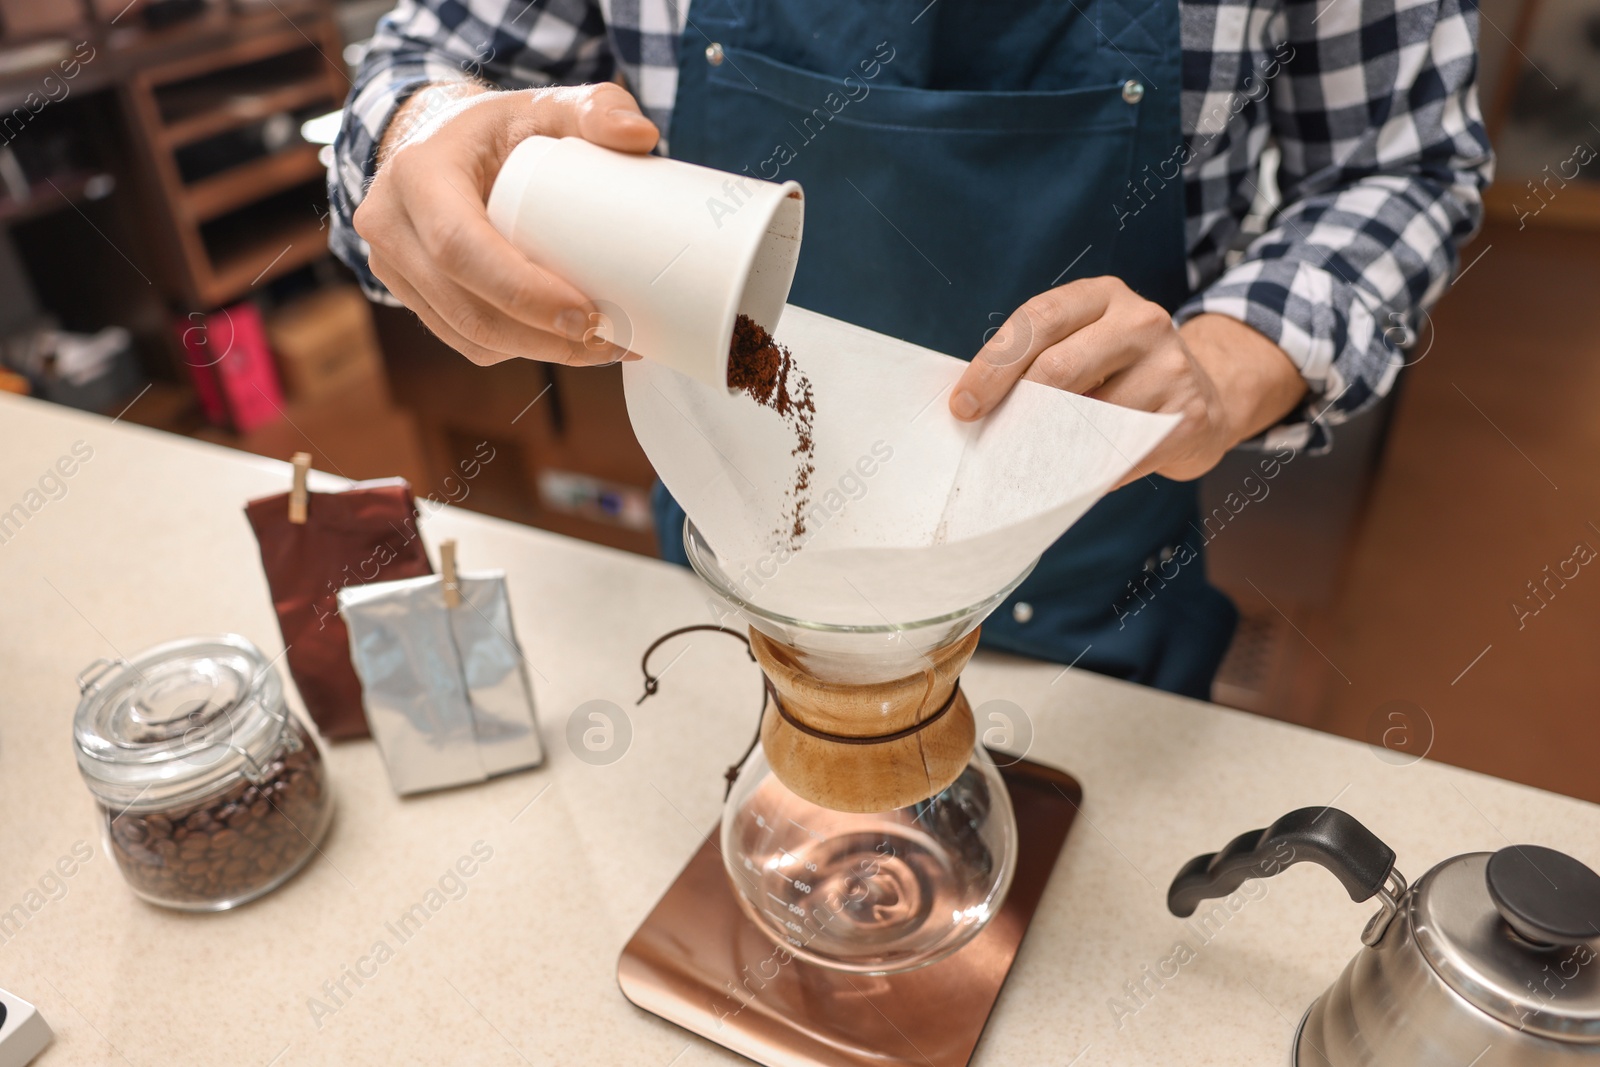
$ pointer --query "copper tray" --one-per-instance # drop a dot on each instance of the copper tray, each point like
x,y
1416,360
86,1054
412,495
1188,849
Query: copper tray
x,y
698,962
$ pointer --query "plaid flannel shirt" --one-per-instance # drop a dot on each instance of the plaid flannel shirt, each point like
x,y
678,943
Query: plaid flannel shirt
x,y
1372,104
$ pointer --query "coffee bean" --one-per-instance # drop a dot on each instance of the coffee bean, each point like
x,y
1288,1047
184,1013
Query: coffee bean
x,y
144,855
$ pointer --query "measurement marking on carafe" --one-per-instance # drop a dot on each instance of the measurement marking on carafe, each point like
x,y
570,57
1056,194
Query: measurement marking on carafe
x,y
814,835
786,922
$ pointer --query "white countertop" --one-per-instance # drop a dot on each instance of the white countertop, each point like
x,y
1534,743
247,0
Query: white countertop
x,y
149,543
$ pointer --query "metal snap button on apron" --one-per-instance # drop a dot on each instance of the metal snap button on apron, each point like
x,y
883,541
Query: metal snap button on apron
x,y
1132,91
1022,611
714,57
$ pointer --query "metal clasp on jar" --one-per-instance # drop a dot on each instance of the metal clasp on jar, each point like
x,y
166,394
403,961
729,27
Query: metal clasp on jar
x,y
288,741
90,676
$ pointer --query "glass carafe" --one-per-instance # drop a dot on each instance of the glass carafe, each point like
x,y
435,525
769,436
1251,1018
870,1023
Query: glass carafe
x,y
867,830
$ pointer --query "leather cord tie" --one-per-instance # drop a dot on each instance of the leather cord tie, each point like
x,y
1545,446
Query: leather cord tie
x,y
652,685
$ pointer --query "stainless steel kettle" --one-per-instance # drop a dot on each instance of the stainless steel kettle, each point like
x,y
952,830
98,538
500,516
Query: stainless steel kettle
x,y
1488,961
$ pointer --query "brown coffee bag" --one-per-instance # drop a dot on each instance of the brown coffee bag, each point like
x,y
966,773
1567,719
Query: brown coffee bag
x,y
366,533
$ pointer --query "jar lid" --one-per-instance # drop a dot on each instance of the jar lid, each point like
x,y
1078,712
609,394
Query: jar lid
x,y
176,718
1550,988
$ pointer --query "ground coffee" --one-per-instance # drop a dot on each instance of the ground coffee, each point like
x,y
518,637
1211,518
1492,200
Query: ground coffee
x,y
766,372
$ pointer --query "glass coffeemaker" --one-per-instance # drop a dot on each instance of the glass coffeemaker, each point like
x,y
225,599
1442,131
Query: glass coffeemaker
x,y
867,830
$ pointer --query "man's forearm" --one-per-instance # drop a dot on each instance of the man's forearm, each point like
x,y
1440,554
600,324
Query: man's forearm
x,y
1256,380
425,105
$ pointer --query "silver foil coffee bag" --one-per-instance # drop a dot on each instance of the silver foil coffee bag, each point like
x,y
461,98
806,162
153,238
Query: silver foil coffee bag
x,y
445,689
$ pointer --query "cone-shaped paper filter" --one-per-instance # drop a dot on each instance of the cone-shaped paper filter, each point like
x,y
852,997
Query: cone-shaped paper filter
x,y
911,514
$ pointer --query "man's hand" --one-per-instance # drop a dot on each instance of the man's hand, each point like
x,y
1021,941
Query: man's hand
x,y
1099,338
426,221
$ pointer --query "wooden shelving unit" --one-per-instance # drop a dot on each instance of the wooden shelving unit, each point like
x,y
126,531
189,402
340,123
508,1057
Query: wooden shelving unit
x,y
242,110
61,191
241,225
244,184
254,250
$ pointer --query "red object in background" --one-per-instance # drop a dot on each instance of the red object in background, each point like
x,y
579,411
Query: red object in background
x,y
231,364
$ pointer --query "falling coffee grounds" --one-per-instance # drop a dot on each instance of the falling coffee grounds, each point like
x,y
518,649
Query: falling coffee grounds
x,y
765,371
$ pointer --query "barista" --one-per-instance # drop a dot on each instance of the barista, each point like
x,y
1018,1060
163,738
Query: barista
x,y
1053,190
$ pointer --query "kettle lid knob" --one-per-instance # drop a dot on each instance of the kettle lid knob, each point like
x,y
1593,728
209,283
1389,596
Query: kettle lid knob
x,y
1546,896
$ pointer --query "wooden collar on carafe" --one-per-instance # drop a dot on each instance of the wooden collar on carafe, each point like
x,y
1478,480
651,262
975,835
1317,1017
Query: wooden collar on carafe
x,y
871,747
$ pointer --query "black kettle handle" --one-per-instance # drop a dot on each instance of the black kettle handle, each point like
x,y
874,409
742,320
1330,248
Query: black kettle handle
x,y
1326,836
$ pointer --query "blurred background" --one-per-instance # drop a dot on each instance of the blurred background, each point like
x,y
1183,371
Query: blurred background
x,y
163,257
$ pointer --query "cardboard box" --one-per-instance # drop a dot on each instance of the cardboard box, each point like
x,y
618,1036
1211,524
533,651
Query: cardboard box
x,y
326,345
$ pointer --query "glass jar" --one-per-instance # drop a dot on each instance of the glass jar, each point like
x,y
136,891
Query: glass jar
x,y
868,830
210,790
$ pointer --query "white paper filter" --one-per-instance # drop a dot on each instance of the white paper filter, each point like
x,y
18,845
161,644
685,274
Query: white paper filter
x,y
913,514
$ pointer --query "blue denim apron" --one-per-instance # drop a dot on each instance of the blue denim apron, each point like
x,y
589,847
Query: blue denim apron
x,y
959,157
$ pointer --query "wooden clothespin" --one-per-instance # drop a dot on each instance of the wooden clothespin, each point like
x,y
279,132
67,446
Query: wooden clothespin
x,y
297,493
447,564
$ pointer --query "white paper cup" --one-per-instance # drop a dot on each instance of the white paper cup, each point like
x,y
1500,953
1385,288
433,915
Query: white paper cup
x,y
669,252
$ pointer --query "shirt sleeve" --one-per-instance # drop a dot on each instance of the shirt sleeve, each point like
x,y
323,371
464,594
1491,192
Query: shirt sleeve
x,y
1384,160
512,44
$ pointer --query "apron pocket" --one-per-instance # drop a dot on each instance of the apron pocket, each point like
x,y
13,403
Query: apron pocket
x,y
857,100
931,215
